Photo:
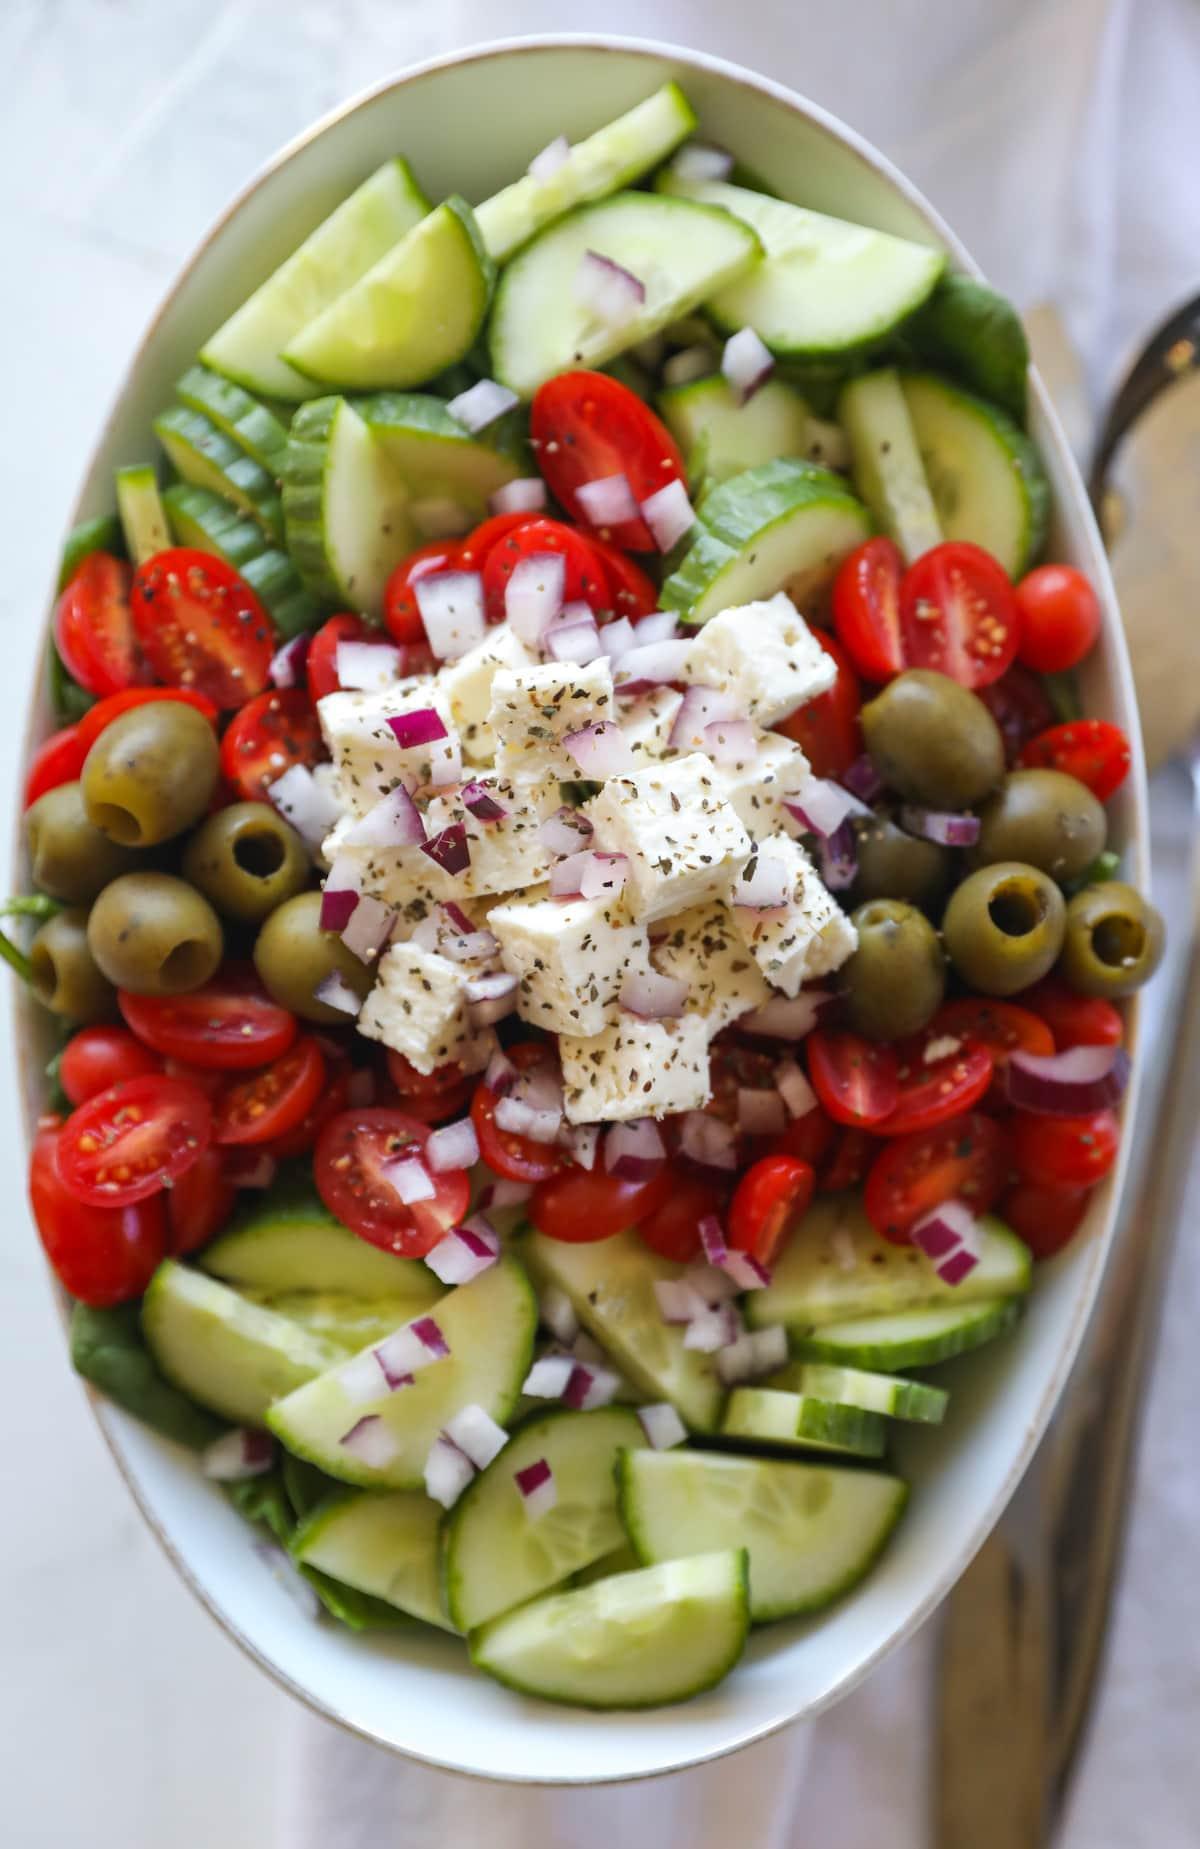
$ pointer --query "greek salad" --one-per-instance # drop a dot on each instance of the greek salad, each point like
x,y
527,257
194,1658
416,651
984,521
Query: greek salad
x,y
576,888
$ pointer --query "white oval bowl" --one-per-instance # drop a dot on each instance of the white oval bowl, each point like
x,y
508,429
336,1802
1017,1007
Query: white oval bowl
x,y
469,123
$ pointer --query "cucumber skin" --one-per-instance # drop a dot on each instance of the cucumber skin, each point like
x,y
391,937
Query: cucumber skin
x,y
1025,462
241,416
822,1423
198,517
919,1352
248,486
303,494
976,335
913,1400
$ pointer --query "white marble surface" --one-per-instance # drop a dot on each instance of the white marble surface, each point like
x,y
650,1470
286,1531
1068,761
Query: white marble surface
x,y
126,1719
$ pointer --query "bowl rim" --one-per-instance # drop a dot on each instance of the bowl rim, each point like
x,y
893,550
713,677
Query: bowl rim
x,y
881,167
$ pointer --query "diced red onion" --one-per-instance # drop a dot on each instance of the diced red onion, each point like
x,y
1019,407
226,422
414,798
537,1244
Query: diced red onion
x,y
745,1271
429,1334
616,638
837,858
820,806
713,1329
447,1471
549,1378
420,727
669,515
793,1087
607,502
534,594
678,1302
238,1454
662,1425
600,750
337,908
409,1177
539,1493
248,1167
950,1238
565,875
747,363
609,292
503,1193
577,641
467,946
566,831
491,997
758,1352
689,364
701,707
956,1266
478,800
557,1312
710,1284
360,1093
452,1146
764,884
370,1441
787,1017
659,626
345,874
1069,1084
306,804
760,1112
501,1075
288,664
427,935
700,161
712,1239
554,155
708,1140
481,404
603,876
527,1120
863,780
464,1252
335,992
367,667
943,826
394,821
634,1151
651,664
369,930
476,1435
449,850
730,741
583,1142
591,1385
451,607
526,495
392,1363
653,997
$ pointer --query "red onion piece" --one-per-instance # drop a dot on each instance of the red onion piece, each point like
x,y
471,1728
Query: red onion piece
x,y
943,826
710,1284
394,821
305,803
793,1087
501,1075
491,997
369,930
712,1239
464,1253
760,1112
669,515
687,365
583,1142
534,594
653,997
451,607
600,750
701,707
603,875
452,1146
238,1454
609,292
409,1177
428,1333
662,1425
335,992
370,1441
337,908
476,1435
591,1385
764,884
713,1329
616,638
757,1353
447,1471
420,727
288,664
678,1302
567,831
527,1120
539,1493
708,1140
950,1238
699,160
469,946
634,1151
863,779
554,155
479,801
956,1266
481,404
575,641
730,741
659,626
345,874
248,1167
837,858
367,667
787,1017
607,502
503,1193
449,850
745,1271
549,1378
565,875
1070,1084
526,495
747,363
820,806
651,664
557,1312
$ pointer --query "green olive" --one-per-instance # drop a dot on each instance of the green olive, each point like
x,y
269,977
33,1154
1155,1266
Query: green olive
x,y
64,972
71,859
1045,818
932,741
151,773
1004,927
293,954
895,980
1114,940
155,935
896,865
247,860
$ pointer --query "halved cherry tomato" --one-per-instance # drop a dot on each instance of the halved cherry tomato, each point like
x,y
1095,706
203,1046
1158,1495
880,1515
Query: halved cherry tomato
x,y
102,1255
275,731
201,626
133,1139
1019,704
932,1091
272,1101
1060,618
828,728
1093,750
435,1096
97,1057
672,1229
855,1079
350,1170
514,1157
966,1159
581,1205
772,1194
866,608
958,614
320,664
401,614
1045,1218
1064,1152
1001,1027
58,759
634,592
585,579
99,717
474,549
94,627
850,1156
1075,1020
199,1202
204,1078
334,1097
230,1024
585,427
809,1138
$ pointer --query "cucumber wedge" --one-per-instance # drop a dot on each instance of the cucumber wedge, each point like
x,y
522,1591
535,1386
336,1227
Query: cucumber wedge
x,y
849,1386
232,1356
824,286
345,504
637,1640
143,518
835,1266
784,526
623,1559
812,1531
197,517
968,330
887,463
679,251
796,1421
446,467
984,474
289,1241
496,1556
611,1285
251,424
331,259
720,436
349,1322
489,1325
613,157
207,458
417,311
109,1350
910,1338
388,1545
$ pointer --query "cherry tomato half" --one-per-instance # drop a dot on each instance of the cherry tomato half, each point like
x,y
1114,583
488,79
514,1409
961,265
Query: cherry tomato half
x,y
99,717
809,1138
333,1097
401,614
1019,704
350,1170
228,1025
275,731
1045,1218
320,664
958,614
828,728
1093,750
199,1202
770,1197
474,550
1059,618
634,592
966,1159
432,1097
201,626
932,1091
585,579
1075,1020
580,1205
866,608
1001,1027
508,1154
94,628
58,759
273,1100
1064,1152
850,1156
102,1255
98,1057
672,1229
585,427
131,1140
855,1079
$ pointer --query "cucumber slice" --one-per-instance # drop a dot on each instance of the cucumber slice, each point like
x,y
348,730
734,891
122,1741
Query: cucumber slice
x,y
439,459
835,1266
637,1640
349,1322
984,474
613,157
887,464
253,427
143,519
232,1356
200,518
489,1325
331,259
388,1545
103,534
784,526
975,334
496,1557
611,1285
721,436
207,458
345,504
798,1422
825,286
910,1338
623,1559
417,311
679,251
812,1530
289,1241
849,1386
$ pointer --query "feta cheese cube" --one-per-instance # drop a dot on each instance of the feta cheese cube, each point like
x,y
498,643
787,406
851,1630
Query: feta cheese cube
x,y
807,937
635,1068
467,684
684,844
703,947
756,788
646,722
508,855
401,877
418,1007
571,956
765,655
369,761
533,708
